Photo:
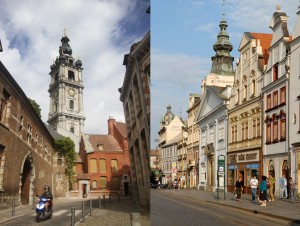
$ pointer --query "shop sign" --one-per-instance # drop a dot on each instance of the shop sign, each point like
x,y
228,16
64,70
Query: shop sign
x,y
244,157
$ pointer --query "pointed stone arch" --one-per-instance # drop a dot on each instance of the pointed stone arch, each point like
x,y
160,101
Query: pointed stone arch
x,y
27,177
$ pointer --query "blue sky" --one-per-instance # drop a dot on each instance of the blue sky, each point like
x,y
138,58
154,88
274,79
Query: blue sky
x,y
100,33
182,38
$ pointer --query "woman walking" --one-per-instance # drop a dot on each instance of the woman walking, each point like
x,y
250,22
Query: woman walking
x,y
263,191
238,188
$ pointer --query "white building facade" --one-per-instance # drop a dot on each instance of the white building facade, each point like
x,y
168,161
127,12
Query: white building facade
x,y
294,102
212,114
275,145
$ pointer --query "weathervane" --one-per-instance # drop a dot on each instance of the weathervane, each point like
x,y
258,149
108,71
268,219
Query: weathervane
x,y
223,10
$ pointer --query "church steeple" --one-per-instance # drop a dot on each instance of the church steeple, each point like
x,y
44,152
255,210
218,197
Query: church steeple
x,y
222,62
65,48
66,113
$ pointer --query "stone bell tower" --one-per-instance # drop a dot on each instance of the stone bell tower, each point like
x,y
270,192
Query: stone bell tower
x,y
66,113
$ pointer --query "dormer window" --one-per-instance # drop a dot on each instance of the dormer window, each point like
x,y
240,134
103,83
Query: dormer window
x,y
100,147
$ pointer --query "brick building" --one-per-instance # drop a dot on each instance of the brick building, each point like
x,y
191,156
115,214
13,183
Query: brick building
x,y
103,163
27,157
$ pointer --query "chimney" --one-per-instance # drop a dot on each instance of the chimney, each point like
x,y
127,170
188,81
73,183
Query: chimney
x,y
111,121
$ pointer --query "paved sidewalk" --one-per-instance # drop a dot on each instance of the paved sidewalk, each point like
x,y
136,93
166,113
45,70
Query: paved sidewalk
x,y
282,209
113,214
117,214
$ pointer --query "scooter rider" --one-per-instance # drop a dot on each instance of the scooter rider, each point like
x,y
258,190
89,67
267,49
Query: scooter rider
x,y
47,195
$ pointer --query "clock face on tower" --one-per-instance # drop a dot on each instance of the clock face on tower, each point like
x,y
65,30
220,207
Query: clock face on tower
x,y
71,92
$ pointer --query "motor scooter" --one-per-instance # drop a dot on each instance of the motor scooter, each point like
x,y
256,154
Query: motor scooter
x,y
41,213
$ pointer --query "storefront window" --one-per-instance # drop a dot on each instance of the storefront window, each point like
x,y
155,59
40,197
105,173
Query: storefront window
x,y
231,180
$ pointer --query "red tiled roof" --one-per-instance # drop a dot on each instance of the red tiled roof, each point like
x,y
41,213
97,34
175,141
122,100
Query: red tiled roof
x,y
265,42
108,142
122,128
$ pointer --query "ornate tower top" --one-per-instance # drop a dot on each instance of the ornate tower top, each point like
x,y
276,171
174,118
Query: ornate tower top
x,y
222,46
222,62
65,48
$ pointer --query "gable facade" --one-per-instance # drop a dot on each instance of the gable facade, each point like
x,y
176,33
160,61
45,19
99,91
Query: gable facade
x,y
244,156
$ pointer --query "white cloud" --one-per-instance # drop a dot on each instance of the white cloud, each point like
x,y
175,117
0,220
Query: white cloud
x,y
173,78
100,33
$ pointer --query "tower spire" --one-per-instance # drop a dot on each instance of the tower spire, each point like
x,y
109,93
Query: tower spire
x,y
222,61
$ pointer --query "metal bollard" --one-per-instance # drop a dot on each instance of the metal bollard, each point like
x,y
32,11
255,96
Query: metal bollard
x,y
91,207
103,200
119,197
99,200
83,212
109,198
2,200
13,207
135,219
72,216
33,202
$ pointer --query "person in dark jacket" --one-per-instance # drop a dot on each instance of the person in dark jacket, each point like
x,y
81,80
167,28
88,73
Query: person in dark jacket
x,y
238,188
47,195
263,191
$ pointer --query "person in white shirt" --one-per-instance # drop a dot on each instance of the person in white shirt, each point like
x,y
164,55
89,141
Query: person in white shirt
x,y
283,187
253,185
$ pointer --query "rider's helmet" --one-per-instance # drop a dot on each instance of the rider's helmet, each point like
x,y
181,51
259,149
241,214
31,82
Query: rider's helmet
x,y
46,188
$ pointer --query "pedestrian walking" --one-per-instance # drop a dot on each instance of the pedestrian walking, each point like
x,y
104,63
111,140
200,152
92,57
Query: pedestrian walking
x,y
253,185
292,189
272,187
283,187
263,196
238,188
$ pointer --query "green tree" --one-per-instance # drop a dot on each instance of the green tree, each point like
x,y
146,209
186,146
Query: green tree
x,y
66,147
36,107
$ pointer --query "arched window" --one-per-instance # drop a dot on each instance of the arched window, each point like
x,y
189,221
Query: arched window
x,y
102,165
72,104
94,184
114,166
71,75
72,130
93,165
103,182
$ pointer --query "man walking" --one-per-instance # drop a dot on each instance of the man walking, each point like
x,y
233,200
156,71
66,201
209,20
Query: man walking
x,y
253,185
283,187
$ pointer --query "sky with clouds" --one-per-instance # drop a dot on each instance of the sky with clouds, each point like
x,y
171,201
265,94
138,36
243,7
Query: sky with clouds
x,y
182,38
101,32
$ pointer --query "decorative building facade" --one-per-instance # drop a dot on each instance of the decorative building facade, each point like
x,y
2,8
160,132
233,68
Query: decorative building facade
x,y
294,101
212,114
66,113
275,102
193,142
170,136
135,95
244,116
